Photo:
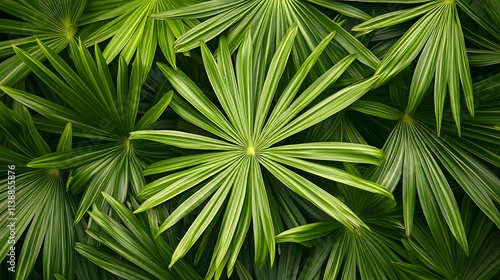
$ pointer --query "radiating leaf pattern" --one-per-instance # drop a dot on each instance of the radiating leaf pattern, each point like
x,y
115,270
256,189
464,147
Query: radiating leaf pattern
x,y
430,261
438,37
249,139
48,226
54,22
131,29
268,22
428,157
350,254
100,109
245,150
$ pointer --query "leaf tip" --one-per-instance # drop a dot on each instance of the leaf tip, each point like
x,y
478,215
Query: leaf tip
x,y
39,42
161,229
154,16
106,196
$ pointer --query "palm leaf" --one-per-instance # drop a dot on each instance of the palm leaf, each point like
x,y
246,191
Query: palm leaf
x,y
248,151
54,22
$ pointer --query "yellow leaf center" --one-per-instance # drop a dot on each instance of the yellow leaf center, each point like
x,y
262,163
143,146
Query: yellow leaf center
x,y
251,151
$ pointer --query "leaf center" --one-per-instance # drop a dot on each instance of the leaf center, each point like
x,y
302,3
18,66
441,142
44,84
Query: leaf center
x,y
407,118
251,151
69,29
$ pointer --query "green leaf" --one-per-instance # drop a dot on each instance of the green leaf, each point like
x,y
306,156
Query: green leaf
x,y
426,67
217,80
211,27
50,79
182,140
416,271
393,18
288,94
406,48
429,174
19,130
331,173
192,93
49,109
333,151
71,158
195,200
232,214
7,155
110,263
409,185
31,246
149,119
181,162
118,238
204,9
342,8
353,46
323,109
202,221
245,79
262,222
274,74
376,109
66,141
317,196
307,232
191,115
155,193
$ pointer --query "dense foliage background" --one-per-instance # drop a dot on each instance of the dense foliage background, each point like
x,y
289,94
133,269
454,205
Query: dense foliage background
x,y
250,139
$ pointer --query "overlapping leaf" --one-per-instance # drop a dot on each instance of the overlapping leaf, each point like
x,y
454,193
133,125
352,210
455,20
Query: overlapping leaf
x,y
47,227
268,21
245,150
145,257
54,22
100,109
345,254
430,260
426,161
131,29
438,37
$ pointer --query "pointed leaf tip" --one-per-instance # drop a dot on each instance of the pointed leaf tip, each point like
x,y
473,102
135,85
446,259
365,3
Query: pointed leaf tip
x,y
107,196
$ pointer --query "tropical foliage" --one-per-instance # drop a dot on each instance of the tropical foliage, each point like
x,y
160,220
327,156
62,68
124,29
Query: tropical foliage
x,y
250,139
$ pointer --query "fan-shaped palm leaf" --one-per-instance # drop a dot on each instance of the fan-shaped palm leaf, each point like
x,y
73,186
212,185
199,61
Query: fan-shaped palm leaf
x,y
145,257
47,224
345,254
438,35
54,22
131,29
100,110
288,266
268,21
482,31
425,154
429,260
245,149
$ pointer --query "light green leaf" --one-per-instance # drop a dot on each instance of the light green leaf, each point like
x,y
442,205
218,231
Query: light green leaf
x,y
149,119
317,196
307,232
332,173
332,151
202,221
182,140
